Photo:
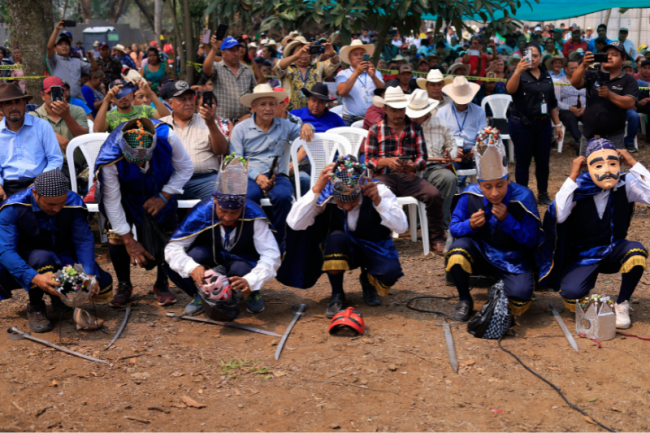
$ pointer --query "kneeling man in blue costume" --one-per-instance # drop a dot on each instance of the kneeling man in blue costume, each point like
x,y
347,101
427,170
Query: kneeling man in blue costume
x,y
497,230
344,222
141,168
42,229
225,230
586,227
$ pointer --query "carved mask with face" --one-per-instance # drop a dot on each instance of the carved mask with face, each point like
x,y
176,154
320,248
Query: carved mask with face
x,y
603,163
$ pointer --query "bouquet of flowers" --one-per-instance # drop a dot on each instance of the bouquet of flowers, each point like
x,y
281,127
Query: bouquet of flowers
x,y
75,285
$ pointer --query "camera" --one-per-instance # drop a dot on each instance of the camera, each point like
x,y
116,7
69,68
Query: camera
x,y
317,48
600,57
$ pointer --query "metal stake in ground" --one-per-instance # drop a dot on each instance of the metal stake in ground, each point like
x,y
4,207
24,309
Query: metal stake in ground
x,y
119,331
451,348
297,310
564,329
227,324
16,334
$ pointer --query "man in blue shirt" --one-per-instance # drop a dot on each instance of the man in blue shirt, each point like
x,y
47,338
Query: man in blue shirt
x,y
260,139
602,33
316,112
43,229
29,144
125,59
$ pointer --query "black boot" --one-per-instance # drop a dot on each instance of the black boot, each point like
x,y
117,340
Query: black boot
x,y
543,199
336,304
370,295
463,310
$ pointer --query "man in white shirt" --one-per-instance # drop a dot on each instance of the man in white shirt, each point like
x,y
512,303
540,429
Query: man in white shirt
x,y
630,49
441,148
357,84
229,231
351,217
586,227
141,167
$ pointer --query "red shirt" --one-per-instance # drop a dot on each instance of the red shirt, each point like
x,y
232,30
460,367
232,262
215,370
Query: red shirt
x,y
570,47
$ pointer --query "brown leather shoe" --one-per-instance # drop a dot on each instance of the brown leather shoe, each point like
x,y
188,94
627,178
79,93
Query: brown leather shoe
x,y
438,248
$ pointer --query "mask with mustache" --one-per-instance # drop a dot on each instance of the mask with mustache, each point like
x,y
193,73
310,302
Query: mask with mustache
x,y
604,167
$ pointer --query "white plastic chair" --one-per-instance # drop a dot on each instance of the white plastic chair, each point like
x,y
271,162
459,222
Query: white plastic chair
x,y
499,105
320,151
354,135
642,122
357,124
338,110
89,144
91,126
636,141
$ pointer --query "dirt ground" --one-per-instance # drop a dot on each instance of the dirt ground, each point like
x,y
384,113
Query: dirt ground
x,y
396,377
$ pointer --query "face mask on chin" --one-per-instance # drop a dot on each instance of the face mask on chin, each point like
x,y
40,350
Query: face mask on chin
x,y
604,168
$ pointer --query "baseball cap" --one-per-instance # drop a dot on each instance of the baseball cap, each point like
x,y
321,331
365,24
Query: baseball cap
x,y
102,45
623,30
617,45
645,63
177,88
124,90
64,35
629,64
405,68
229,43
51,81
280,89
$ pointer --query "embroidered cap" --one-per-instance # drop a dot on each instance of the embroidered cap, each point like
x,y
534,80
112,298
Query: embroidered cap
x,y
596,144
52,183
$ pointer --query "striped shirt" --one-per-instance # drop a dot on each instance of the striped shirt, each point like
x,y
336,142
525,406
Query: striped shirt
x,y
228,88
567,96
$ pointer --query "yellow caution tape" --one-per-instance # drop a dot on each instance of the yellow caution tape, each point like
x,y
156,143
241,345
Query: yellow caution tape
x,y
7,67
470,78
34,77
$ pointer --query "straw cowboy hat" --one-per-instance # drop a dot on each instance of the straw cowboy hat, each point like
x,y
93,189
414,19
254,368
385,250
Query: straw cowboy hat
x,y
120,47
262,91
461,91
550,60
271,43
298,40
455,66
420,104
10,91
394,97
290,37
356,44
434,76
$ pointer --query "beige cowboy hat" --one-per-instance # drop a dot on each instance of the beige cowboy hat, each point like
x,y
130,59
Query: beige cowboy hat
x,y
461,91
457,65
434,76
290,37
291,46
252,44
420,104
271,43
356,44
120,47
394,97
262,91
550,60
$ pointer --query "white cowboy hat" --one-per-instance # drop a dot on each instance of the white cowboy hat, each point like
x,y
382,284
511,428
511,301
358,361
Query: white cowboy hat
x,y
271,43
420,104
461,91
550,60
298,40
252,44
356,44
455,66
434,76
120,47
394,97
262,91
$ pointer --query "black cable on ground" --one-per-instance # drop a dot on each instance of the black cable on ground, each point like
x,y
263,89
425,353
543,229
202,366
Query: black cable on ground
x,y
408,305
554,387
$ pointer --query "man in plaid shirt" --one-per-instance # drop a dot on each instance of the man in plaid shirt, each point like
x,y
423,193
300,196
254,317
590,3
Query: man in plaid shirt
x,y
396,150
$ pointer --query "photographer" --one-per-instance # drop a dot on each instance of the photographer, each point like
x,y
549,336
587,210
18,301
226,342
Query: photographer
x,y
610,93
534,104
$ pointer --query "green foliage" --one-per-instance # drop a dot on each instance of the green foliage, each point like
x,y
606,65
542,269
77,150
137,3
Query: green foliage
x,y
242,366
351,16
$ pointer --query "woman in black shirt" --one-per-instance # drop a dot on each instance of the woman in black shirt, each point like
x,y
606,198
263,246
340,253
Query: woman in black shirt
x,y
529,124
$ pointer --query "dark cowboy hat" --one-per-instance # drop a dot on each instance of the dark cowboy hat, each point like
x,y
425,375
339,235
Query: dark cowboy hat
x,y
10,91
318,90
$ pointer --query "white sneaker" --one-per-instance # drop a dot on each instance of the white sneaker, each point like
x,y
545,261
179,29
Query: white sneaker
x,y
622,315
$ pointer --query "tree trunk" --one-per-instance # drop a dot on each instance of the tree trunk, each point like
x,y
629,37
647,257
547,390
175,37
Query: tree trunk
x,y
34,23
85,10
178,51
381,41
607,15
189,42
157,18
146,12
117,8
65,6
